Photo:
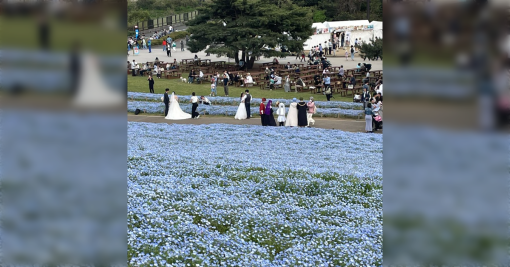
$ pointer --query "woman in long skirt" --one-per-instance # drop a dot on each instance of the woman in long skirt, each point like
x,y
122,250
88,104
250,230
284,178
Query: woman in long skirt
x,y
368,118
286,86
269,112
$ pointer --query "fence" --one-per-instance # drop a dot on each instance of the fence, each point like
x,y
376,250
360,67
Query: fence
x,y
166,21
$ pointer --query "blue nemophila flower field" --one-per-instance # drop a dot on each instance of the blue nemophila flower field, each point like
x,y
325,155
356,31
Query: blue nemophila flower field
x,y
217,100
159,108
231,195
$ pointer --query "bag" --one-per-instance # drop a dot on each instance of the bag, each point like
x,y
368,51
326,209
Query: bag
x,y
377,118
352,50
328,91
350,86
137,111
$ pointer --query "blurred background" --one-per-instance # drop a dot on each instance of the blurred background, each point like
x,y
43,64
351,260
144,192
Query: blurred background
x,y
446,133
63,133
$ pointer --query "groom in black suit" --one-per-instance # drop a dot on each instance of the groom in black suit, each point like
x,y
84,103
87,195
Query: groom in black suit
x,y
247,103
166,99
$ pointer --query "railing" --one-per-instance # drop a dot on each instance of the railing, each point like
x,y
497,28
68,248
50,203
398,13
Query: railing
x,y
166,21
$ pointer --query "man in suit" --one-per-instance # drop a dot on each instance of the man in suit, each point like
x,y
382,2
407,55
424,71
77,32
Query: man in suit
x,y
166,99
151,84
247,104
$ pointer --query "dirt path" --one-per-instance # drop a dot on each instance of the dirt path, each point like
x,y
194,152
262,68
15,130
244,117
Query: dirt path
x,y
325,123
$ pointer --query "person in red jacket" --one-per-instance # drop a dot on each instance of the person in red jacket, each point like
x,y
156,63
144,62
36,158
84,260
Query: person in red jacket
x,y
263,117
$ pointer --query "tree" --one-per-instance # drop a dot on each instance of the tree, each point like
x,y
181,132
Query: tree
x,y
138,15
254,27
371,50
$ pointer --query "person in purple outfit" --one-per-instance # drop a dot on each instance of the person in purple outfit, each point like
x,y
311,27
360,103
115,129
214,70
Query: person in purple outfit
x,y
269,113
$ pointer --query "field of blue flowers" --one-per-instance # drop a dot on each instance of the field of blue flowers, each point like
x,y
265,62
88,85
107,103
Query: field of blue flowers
x,y
217,100
231,195
159,108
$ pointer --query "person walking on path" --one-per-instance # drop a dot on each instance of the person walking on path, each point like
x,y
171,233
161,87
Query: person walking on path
x,y
174,45
151,84
352,52
168,50
182,45
194,106
164,45
149,43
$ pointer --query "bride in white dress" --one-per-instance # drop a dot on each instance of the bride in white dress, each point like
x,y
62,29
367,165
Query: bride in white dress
x,y
174,110
241,110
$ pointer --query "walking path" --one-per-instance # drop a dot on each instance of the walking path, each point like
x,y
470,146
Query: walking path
x,y
324,123
157,51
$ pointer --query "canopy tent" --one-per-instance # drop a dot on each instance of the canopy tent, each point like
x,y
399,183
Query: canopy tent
x,y
355,29
320,28
318,25
346,24
378,28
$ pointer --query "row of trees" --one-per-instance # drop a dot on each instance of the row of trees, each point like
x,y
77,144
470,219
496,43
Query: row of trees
x,y
142,10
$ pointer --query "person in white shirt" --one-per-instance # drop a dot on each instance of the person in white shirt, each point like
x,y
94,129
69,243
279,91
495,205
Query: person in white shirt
x,y
380,89
200,75
170,29
248,79
133,67
194,106
204,100
144,69
278,80
167,66
326,48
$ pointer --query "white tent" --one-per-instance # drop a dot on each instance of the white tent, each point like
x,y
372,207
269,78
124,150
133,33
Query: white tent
x,y
378,28
348,23
318,25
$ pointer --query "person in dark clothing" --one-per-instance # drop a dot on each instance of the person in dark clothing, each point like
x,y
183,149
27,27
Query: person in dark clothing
x,y
225,83
247,101
365,97
166,99
353,80
302,113
151,84
269,113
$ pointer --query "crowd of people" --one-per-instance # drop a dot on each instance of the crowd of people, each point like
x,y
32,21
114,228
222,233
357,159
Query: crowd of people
x,y
299,115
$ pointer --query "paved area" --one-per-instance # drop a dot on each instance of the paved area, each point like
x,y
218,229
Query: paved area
x,y
157,51
325,123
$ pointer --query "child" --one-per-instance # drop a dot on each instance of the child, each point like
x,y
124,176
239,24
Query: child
x,y
281,114
213,89
346,55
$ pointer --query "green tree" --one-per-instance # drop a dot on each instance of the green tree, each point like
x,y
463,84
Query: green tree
x,y
138,15
371,50
319,16
253,27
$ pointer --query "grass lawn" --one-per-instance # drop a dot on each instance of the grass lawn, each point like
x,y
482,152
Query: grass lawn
x,y
140,84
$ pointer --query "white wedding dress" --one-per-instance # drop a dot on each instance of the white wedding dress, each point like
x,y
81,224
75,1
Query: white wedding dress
x,y
241,111
292,119
175,112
